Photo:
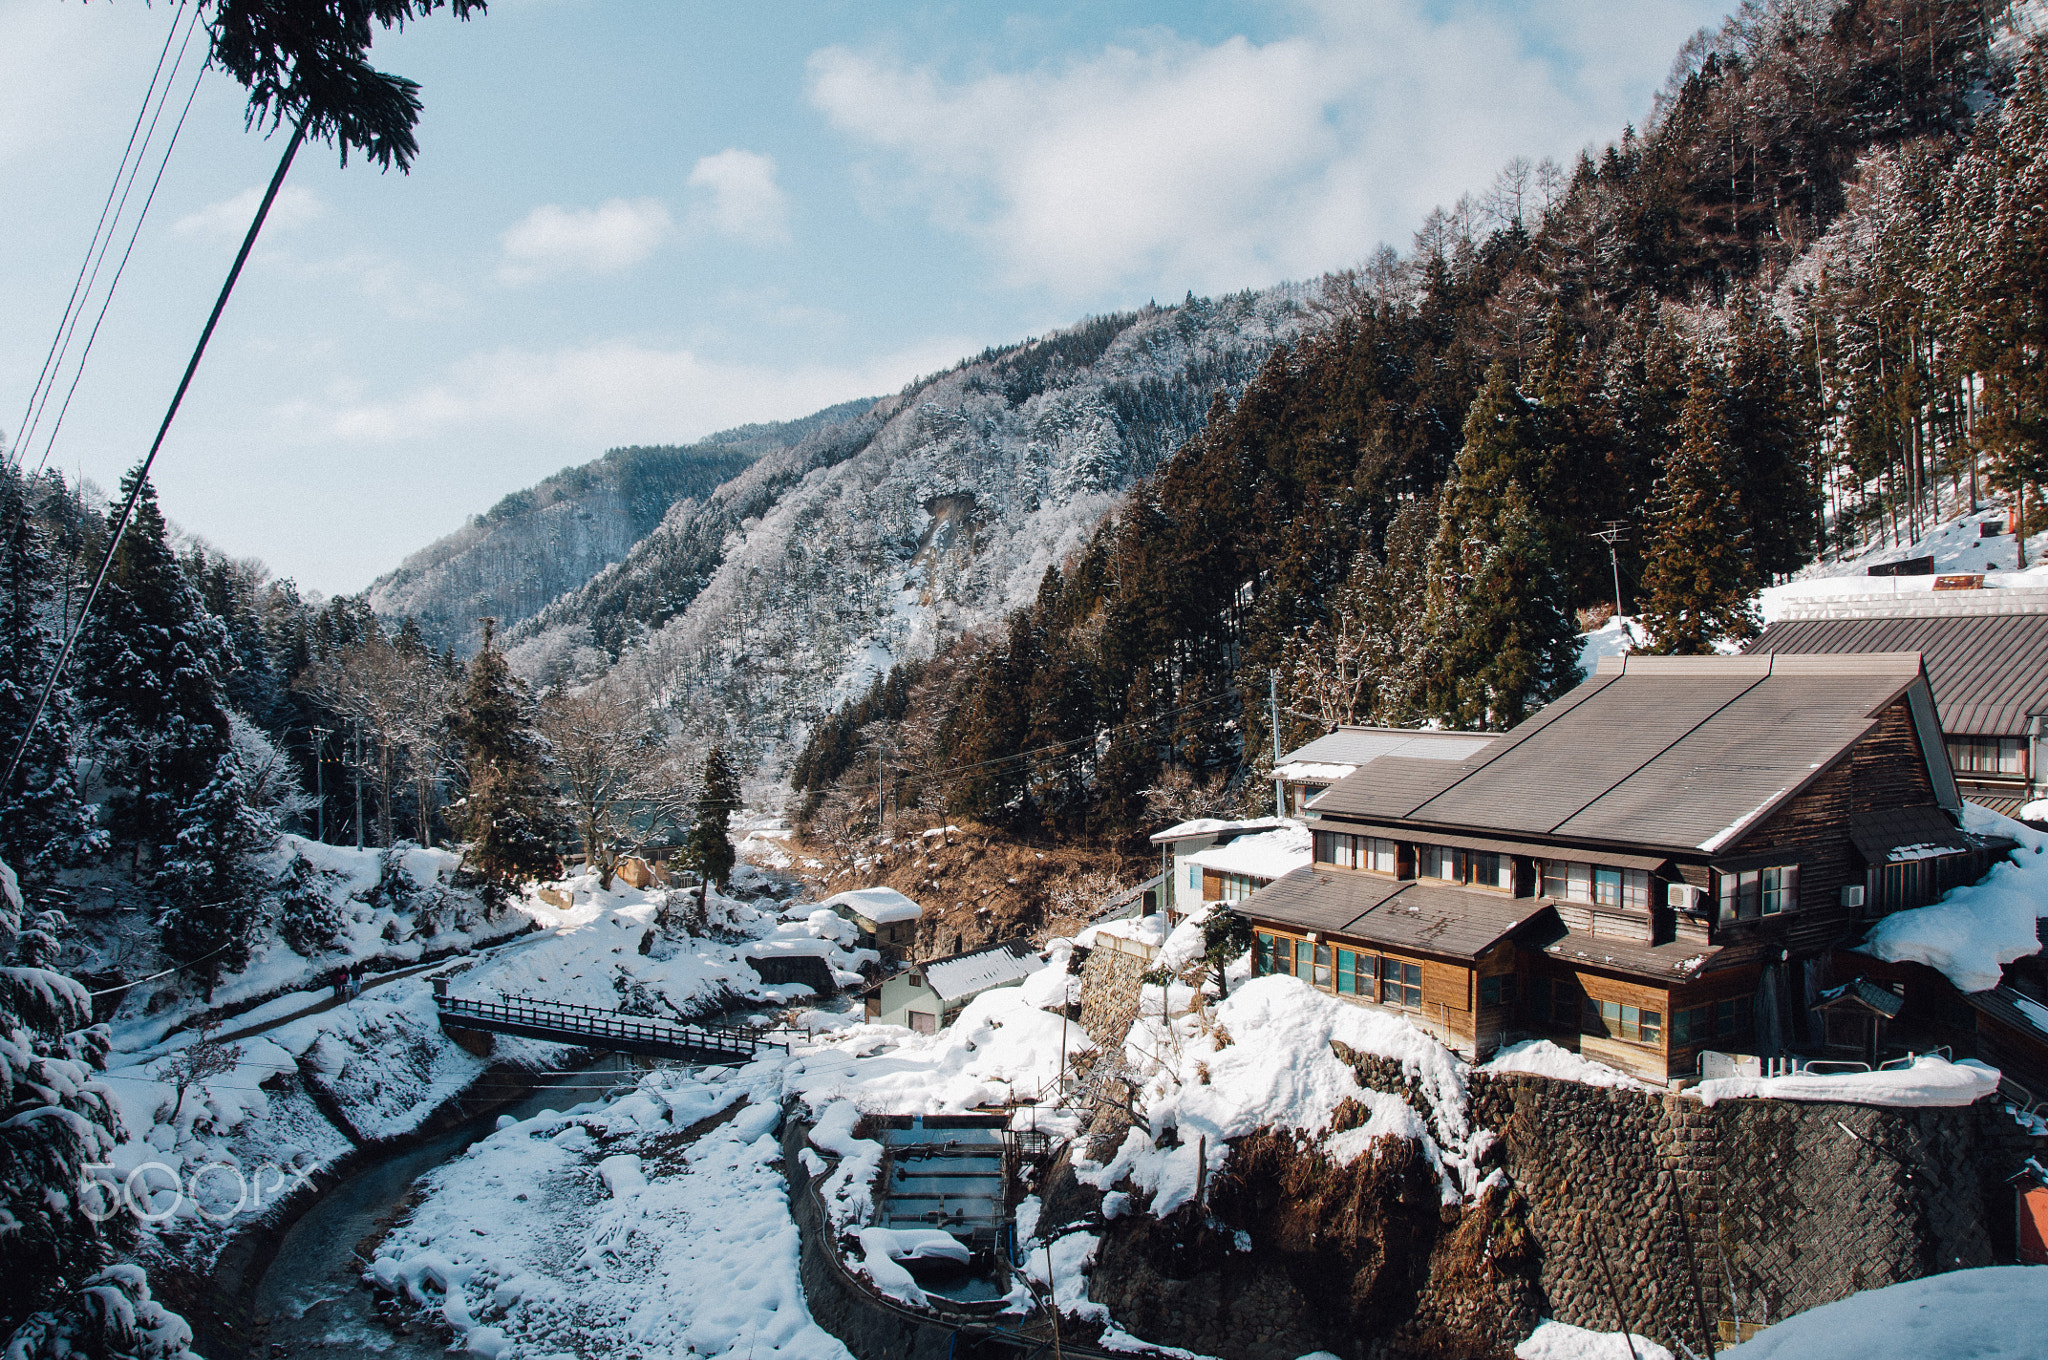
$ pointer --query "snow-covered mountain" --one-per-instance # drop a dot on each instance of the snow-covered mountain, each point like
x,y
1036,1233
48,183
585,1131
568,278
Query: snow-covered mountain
x,y
513,559
877,535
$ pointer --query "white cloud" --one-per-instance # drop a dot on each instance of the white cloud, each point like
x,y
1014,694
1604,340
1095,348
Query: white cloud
x,y
1177,164
614,392
615,235
746,203
229,219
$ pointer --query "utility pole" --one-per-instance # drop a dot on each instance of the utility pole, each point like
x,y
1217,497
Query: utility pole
x,y
1615,531
320,782
359,787
1273,707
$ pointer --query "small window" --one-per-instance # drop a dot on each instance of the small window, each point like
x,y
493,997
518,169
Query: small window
x,y
1347,970
1635,889
1780,889
1626,1023
1566,881
1357,974
1607,887
1322,966
1492,871
1443,864
1497,991
1401,984
1380,856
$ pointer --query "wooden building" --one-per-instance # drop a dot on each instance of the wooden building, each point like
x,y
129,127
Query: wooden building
x,y
886,920
1656,864
1986,653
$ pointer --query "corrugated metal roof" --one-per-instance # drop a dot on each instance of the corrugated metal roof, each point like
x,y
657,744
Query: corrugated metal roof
x,y
1988,673
964,975
1663,751
1398,913
1357,745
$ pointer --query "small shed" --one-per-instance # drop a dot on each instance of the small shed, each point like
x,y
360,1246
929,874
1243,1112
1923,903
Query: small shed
x,y
1856,1013
927,997
886,919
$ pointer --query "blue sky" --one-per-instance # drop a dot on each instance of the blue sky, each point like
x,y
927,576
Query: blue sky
x,y
640,221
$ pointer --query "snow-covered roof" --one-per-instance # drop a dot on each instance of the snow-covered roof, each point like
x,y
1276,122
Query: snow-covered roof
x,y
1354,746
1973,932
1268,855
1214,826
1310,770
881,905
965,975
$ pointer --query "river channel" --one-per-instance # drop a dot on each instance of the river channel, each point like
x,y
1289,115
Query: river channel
x,y
312,1293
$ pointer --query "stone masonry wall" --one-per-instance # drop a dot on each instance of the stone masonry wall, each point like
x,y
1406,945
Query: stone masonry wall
x,y
1623,1208
1110,983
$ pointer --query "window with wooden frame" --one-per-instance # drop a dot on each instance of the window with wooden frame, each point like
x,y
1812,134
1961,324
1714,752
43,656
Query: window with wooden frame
x,y
1440,864
1498,990
1320,974
1341,850
1567,881
1401,984
1989,755
1714,1021
1553,1001
1274,954
1749,893
1237,887
1358,974
1630,1024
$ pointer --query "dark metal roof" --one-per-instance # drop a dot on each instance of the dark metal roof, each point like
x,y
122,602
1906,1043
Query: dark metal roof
x,y
1863,993
1397,913
2021,1013
1668,965
1988,672
1685,752
1878,834
1357,745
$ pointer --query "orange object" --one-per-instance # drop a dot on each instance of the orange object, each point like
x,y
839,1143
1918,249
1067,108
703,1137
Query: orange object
x,y
2033,1212
1959,582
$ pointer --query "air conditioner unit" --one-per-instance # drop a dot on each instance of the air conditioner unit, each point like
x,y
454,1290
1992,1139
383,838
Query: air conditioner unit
x,y
1852,895
1686,897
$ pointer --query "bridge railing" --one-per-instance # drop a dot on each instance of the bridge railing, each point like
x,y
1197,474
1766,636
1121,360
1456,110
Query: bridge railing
x,y
591,1022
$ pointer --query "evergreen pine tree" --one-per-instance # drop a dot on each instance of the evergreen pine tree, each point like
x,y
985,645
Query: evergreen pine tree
x,y
149,672
509,815
1770,430
1698,577
1502,634
208,885
709,849
44,822
54,1222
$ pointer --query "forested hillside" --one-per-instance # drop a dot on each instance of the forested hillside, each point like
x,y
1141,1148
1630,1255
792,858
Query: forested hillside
x,y
530,547
1801,309
883,537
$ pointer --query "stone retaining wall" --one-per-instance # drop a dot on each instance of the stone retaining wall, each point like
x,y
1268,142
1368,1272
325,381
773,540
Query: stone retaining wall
x,y
1621,1207
1110,984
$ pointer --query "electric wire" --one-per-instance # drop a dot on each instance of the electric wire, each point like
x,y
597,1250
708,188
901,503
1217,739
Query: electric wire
x,y
77,283
97,255
142,473
107,298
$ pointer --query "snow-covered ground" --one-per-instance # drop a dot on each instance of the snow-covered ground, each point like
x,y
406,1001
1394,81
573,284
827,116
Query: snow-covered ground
x,y
627,1224
1994,1313
251,1132
1955,546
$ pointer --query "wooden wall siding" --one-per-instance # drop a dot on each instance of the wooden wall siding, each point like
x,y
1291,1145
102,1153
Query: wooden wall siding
x,y
1212,886
1634,1059
1890,771
1447,985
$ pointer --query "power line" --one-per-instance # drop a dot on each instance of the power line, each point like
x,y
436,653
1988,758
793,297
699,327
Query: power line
x,y
50,358
107,300
142,474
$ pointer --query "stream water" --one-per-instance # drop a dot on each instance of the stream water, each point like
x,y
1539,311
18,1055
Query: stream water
x,y
312,1291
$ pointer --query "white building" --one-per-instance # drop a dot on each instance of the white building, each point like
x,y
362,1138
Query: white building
x,y
1210,860
927,997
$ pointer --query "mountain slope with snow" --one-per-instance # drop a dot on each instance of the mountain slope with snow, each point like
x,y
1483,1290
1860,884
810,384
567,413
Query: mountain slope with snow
x,y
876,539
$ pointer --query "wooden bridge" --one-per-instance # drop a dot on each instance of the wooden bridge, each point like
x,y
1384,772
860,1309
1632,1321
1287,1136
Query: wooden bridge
x,y
560,1022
